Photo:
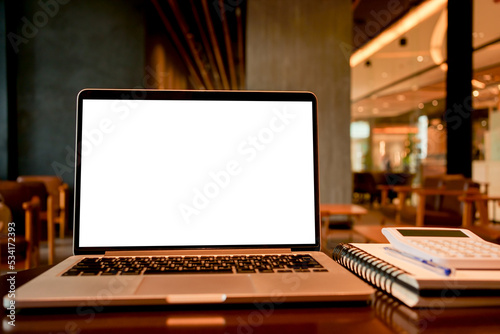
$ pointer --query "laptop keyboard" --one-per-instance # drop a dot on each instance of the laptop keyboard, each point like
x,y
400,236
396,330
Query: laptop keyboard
x,y
159,265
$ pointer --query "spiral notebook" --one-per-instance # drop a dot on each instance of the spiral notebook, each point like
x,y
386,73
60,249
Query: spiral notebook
x,y
414,285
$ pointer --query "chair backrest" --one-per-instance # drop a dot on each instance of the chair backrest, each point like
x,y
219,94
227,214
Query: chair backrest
x,y
15,194
397,179
51,183
450,203
432,182
364,182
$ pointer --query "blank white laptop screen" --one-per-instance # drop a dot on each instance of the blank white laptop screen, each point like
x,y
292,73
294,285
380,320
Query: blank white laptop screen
x,y
196,173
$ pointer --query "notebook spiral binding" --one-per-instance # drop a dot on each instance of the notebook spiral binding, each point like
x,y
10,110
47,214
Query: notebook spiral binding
x,y
371,269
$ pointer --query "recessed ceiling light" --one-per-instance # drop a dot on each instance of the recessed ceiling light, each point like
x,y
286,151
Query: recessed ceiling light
x,y
420,105
420,59
475,93
360,109
440,127
435,102
484,123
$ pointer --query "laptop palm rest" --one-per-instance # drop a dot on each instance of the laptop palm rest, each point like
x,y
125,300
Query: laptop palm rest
x,y
196,288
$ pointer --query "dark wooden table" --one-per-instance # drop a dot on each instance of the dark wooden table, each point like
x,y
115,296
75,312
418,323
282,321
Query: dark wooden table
x,y
384,315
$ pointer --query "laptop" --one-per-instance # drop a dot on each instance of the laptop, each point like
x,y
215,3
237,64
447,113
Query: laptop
x,y
194,197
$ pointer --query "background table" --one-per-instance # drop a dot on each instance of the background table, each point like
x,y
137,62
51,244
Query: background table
x,y
329,210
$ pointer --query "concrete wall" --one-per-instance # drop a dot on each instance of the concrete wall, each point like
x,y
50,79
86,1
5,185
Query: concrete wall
x,y
298,45
63,47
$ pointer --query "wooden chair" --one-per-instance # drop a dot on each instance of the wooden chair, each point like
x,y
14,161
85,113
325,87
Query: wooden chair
x,y
24,202
438,201
401,211
364,184
57,206
485,229
32,226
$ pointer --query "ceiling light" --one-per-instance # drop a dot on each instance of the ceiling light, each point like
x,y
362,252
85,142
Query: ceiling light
x,y
434,103
420,59
475,93
420,105
478,84
360,109
440,127
487,77
444,67
400,27
439,37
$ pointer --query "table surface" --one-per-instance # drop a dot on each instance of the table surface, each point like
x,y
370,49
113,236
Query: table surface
x,y
383,315
342,209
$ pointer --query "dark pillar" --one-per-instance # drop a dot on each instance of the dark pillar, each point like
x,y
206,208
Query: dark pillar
x,y
297,45
8,134
458,115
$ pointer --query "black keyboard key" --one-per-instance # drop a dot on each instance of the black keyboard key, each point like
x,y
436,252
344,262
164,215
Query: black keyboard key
x,y
72,272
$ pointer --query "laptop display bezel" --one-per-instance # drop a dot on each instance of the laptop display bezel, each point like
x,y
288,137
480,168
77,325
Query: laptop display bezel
x,y
144,94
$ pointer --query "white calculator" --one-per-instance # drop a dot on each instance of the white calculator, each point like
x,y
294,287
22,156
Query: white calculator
x,y
452,247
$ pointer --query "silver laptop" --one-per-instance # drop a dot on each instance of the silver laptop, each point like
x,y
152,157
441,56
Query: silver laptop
x,y
191,197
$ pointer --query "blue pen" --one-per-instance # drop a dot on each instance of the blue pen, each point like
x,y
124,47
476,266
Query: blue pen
x,y
425,263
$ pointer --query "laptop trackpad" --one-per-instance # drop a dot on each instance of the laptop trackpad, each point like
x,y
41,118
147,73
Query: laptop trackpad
x,y
195,284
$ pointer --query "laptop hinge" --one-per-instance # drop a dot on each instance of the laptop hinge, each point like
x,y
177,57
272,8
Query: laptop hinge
x,y
200,252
